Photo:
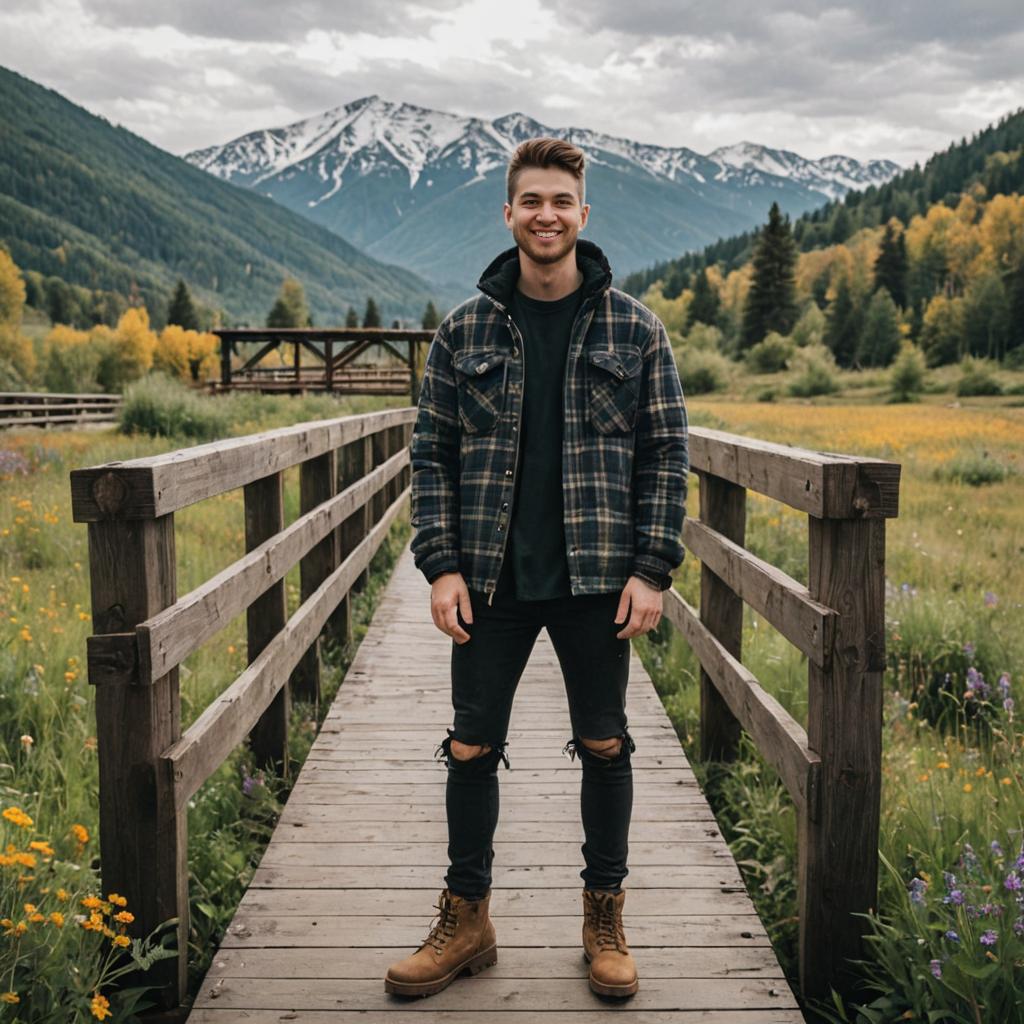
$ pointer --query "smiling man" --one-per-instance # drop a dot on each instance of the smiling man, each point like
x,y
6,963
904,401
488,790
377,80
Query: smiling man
x,y
549,481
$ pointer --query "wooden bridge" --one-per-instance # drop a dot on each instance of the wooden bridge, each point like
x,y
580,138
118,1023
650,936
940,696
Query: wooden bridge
x,y
334,370
346,884
49,408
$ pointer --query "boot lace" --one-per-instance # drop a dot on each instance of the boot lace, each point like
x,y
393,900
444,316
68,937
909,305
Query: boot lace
x,y
444,928
606,924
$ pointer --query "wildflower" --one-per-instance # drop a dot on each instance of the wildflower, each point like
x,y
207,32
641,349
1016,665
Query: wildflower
x,y
125,917
57,918
967,787
942,764
63,894
997,850
36,917
968,649
9,997
91,902
989,937
990,599
80,833
923,777
1018,926
29,907
918,887
42,846
956,897
1012,882
950,879
952,936
117,900
1006,780
1004,684
121,940
936,968
17,817
1007,703
100,1007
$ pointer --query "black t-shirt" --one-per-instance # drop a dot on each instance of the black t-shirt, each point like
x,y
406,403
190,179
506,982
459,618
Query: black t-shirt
x,y
535,566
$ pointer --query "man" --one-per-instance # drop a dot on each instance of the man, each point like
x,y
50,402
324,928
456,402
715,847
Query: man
x,y
549,497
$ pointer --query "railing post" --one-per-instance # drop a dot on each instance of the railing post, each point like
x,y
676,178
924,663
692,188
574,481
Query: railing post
x,y
838,853
225,362
317,480
266,616
723,507
414,370
143,835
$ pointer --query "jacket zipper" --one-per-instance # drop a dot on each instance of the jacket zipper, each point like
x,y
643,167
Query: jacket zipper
x,y
514,331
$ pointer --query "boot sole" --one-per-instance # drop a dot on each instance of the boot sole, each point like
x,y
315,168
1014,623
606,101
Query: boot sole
x,y
480,961
599,987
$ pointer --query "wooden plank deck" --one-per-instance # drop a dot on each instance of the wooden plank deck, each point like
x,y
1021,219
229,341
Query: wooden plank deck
x,y
348,881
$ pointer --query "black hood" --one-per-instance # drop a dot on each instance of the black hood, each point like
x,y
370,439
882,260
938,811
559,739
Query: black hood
x,y
500,277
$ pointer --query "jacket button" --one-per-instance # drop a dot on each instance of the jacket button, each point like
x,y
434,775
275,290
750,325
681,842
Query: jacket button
x,y
508,472
481,368
504,506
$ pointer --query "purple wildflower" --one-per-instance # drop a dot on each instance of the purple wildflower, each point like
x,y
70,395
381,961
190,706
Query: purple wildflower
x,y
918,887
1004,684
989,938
950,879
1018,926
969,858
956,897
1007,703
936,968
969,649
952,936
976,682
247,783
997,850
990,599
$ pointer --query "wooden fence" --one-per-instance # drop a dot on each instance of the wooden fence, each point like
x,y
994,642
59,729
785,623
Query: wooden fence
x,y
45,409
832,769
354,480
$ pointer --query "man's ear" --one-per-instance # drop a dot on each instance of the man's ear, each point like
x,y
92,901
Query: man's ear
x,y
508,215
584,214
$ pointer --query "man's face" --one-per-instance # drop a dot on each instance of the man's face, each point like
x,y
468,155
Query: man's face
x,y
546,215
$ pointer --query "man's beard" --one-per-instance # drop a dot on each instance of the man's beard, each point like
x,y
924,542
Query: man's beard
x,y
537,251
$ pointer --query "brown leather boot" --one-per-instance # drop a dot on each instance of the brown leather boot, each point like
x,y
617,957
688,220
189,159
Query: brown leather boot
x,y
612,968
463,939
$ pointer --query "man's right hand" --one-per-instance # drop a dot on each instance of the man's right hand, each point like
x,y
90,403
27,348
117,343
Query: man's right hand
x,y
449,595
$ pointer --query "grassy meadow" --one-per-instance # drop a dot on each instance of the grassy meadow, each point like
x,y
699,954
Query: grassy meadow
x,y
947,943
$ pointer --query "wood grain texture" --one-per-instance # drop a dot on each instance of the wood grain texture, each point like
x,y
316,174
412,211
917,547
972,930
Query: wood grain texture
x,y
348,882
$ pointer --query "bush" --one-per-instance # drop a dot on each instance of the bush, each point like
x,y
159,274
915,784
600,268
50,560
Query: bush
x,y
977,378
770,355
815,372
908,374
162,407
701,372
973,468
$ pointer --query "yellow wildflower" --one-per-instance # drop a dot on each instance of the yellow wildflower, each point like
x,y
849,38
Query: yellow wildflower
x,y
91,902
1006,780
42,846
18,817
26,860
122,940
57,918
942,764
117,900
63,894
124,916
100,1007
9,997
36,917
29,907
967,787
81,833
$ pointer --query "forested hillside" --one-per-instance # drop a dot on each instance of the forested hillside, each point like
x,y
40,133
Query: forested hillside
x,y
96,206
935,256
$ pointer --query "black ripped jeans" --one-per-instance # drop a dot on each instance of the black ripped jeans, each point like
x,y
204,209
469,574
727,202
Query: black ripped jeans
x,y
485,673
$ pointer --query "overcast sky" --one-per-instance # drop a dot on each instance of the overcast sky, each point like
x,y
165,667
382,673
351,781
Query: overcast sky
x,y
870,78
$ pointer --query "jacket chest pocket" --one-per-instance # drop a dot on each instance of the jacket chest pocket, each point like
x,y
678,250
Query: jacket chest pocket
x,y
481,378
613,388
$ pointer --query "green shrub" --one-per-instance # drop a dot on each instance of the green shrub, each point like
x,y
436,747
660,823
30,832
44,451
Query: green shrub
x,y
770,355
815,372
907,378
974,468
163,407
701,371
977,378
767,395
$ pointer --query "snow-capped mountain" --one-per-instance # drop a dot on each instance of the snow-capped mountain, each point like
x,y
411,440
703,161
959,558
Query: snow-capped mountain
x,y
423,188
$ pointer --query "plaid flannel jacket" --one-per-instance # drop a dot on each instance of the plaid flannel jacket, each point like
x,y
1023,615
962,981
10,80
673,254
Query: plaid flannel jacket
x,y
624,446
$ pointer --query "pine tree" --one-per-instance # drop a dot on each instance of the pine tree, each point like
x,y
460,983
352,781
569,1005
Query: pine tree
x,y
431,320
289,309
705,303
1015,298
771,302
891,265
879,341
842,327
181,311
674,283
352,317
371,318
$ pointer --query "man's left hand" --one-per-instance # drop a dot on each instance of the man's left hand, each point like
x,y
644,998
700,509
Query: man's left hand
x,y
643,602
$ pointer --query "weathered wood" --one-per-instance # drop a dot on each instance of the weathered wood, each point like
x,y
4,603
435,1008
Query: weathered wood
x,y
143,830
780,739
169,637
838,870
317,482
823,484
779,598
265,618
216,732
723,505
156,485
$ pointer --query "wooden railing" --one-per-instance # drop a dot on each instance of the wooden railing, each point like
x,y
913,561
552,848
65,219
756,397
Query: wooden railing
x,y
354,477
832,769
45,408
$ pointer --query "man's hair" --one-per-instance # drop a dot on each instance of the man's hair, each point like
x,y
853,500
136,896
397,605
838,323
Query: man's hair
x,y
546,152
